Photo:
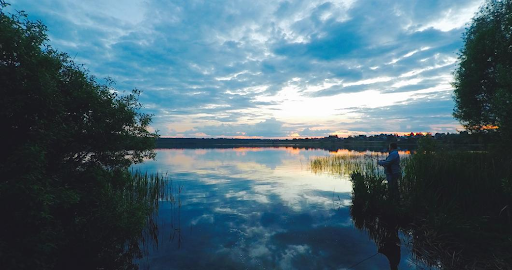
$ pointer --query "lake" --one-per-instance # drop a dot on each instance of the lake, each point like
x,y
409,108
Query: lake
x,y
258,208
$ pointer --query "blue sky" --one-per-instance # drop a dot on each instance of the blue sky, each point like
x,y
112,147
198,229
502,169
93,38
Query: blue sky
x,y
271,69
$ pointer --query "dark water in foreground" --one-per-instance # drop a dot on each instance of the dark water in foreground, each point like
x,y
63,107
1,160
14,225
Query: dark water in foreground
x,y
258,208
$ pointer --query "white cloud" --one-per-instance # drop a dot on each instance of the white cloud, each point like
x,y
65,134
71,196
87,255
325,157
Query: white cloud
x,y
452,18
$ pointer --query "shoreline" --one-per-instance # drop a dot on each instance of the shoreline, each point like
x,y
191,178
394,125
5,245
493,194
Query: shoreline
x,y
326,144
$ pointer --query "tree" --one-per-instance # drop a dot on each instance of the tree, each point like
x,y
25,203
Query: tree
x,y
483,79
67,141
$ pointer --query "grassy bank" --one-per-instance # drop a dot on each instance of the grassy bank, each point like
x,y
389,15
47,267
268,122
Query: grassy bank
x,y
454,205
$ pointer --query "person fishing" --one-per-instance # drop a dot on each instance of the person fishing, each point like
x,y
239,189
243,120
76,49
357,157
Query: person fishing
x,y
392,169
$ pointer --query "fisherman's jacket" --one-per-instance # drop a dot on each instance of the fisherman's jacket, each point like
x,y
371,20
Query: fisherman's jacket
x,y
391,163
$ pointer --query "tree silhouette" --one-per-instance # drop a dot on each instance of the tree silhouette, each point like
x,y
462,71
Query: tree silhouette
x,y
483,79
68,141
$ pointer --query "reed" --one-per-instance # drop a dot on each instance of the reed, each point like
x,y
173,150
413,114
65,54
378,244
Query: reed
x,y
345,165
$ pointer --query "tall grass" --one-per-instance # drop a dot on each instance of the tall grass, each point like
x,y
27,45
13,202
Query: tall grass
x,y
459,203
454,205
467,183
345,165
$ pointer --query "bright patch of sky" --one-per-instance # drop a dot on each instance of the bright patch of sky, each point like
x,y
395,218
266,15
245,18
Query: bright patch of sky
x,y
267,68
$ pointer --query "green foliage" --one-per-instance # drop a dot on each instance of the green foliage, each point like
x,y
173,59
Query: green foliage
x,y
461,183
483,85
65,190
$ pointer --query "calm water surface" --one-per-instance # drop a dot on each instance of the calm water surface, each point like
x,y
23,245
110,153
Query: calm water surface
x,y
257,208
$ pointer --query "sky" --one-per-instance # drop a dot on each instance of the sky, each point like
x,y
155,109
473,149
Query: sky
x,y
271,69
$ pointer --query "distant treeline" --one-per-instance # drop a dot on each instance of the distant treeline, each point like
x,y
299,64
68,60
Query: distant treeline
x,y
412,138
234,143
331,142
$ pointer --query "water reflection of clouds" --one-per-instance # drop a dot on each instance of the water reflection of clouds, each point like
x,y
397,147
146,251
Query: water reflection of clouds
x,y
202,219
239,212
244,195
287,173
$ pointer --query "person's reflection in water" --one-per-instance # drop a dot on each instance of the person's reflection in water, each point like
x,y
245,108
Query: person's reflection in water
x,y
374,211
389,245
